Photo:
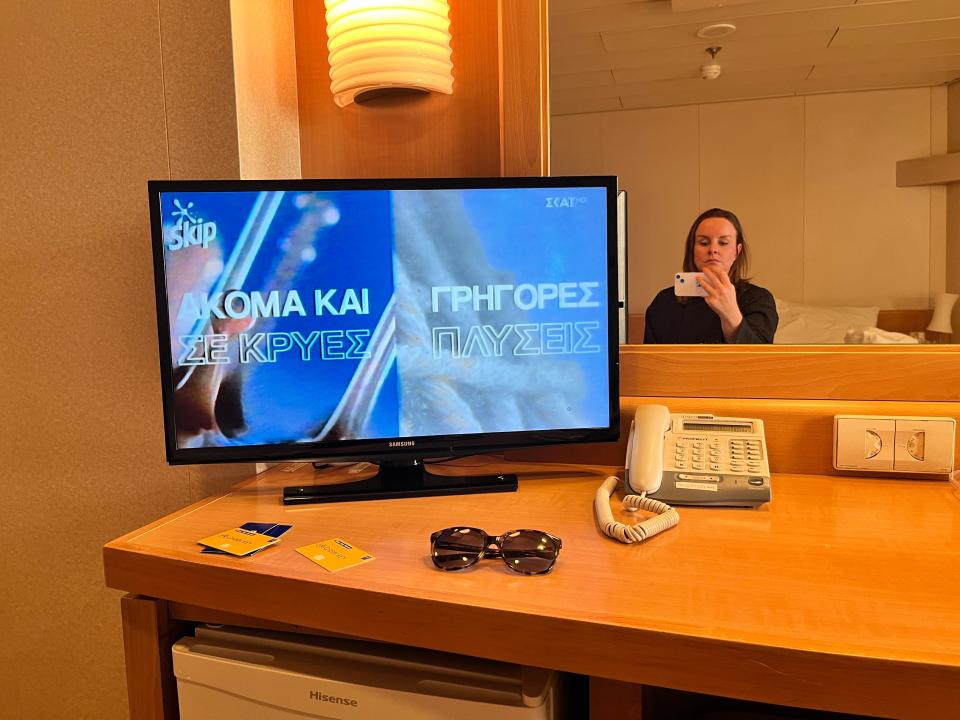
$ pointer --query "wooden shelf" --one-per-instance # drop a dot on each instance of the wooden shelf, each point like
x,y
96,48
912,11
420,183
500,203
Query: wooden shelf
x,y
934,170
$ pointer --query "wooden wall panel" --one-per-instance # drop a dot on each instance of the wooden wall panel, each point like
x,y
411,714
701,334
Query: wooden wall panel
x,y
433,135
799,432
841,372
795,390
405,135
524,89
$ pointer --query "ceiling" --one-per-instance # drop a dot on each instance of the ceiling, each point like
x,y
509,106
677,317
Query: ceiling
x,y
627,54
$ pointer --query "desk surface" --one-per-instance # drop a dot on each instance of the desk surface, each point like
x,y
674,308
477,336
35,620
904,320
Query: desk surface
x,y
843,593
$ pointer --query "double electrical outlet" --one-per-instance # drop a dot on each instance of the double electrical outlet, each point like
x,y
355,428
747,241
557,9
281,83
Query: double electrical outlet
x,y
894,444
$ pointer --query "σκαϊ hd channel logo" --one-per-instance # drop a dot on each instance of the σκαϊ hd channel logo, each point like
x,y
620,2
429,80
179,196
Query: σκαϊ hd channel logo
x,y
565,201
189,230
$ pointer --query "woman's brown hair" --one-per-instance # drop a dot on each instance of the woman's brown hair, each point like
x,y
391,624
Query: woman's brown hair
x,y
738,271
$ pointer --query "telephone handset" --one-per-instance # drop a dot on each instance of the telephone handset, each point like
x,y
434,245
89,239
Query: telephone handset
x,y
686,459
643,468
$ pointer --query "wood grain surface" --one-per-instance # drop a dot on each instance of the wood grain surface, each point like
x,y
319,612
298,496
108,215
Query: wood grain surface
x,y
840,594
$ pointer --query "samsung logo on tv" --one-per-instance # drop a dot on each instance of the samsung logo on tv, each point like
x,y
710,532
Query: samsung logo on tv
x,y
401,443
567,201
189,230
335,699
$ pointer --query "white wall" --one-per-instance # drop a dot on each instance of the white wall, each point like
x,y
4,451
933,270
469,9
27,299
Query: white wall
x,y
811,178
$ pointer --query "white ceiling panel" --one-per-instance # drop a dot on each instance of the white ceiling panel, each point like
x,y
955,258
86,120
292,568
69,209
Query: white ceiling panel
x,y
738,58
598,78
692,56
650,73
784,24
885,81
940,29
611,61
585,45
561,7
788,78
679,6
784,66
861,59
559,106
647,55
638,16
679,95
879,69
905,51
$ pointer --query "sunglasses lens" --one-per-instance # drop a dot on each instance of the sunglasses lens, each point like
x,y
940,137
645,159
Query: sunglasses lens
x,y
457,548
529,552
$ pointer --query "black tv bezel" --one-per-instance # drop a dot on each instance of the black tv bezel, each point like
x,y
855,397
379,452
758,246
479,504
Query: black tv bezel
x,y
378,450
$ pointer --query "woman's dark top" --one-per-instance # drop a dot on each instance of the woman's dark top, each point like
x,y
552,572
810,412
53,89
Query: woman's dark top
x,y
669,321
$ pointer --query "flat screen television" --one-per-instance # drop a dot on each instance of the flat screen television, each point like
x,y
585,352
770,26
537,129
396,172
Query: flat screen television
x,y
389,321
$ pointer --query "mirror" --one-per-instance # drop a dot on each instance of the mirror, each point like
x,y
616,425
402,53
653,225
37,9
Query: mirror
x,y
802,145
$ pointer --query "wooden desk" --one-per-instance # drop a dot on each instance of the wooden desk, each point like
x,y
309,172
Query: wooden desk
x,y
841,594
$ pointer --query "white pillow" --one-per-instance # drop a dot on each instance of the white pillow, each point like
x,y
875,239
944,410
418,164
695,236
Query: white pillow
x,y
800,324
876,335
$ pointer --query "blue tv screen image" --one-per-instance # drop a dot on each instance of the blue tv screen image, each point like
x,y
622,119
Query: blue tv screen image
x,y
331,315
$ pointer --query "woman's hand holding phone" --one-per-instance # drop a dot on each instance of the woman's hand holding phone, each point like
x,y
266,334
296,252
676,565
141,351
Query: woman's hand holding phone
x,y
721,296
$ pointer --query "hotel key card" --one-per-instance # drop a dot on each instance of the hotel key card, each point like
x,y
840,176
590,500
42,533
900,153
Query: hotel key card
x,y
238,542
334,554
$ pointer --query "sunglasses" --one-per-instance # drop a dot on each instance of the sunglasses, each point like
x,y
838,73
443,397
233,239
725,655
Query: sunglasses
x,y
528,552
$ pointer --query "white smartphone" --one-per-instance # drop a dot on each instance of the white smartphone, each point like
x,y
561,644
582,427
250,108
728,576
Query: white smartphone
x,y
686,283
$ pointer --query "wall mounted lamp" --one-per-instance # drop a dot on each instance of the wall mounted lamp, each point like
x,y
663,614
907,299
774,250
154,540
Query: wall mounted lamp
x,y
942,312
386,45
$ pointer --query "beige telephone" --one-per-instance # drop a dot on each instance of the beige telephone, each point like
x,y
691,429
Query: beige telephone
x,y
685,459
698,459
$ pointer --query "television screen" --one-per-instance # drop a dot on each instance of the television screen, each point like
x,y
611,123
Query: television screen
x,y
372,319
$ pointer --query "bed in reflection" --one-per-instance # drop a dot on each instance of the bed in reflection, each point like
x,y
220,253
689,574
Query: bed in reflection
x,y
802,324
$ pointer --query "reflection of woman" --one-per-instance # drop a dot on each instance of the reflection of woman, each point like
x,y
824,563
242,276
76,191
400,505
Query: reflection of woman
x,y
733,311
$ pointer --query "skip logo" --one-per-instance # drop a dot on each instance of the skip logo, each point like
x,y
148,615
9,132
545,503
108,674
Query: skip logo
x,y
189,230
565,201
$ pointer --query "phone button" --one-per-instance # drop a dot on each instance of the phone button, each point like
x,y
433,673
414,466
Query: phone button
x,y
755,481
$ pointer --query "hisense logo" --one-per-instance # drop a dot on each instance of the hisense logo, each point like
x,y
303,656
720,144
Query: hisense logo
x,y
335,699
401,443
189,230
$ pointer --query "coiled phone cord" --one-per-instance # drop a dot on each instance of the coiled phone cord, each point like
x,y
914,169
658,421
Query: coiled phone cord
x,y
666,517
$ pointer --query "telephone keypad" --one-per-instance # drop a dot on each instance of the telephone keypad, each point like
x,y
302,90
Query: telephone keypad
x,y
737,455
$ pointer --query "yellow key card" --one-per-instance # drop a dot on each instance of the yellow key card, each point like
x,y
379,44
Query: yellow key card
x,y
335,554
238,541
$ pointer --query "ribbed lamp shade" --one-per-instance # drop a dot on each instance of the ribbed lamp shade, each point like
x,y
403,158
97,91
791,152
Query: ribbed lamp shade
x,y
388,44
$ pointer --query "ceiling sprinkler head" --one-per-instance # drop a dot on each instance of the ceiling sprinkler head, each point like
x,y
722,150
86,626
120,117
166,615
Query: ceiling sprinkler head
x,y
711,70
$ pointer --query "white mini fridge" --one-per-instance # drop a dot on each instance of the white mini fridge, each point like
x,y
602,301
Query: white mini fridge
x,y
229,673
